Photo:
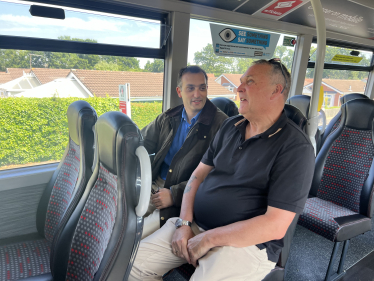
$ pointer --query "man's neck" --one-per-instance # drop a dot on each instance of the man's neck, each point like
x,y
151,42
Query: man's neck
x,y
257,126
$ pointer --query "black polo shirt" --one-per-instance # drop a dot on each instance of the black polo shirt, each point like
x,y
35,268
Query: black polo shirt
x,y
274,168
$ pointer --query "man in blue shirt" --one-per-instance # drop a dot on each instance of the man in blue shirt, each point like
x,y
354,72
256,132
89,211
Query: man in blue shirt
x,y
179,137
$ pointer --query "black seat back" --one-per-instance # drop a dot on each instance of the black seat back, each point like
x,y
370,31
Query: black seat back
x,y
353,96
294,114
301,102
344,174
336,119
67,184
226,105
102,235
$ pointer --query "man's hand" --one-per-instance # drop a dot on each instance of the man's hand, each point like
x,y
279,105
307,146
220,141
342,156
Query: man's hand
x,y
162,199
180,240
197,247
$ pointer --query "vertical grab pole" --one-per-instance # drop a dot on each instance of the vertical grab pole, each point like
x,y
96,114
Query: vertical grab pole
x,y
318,70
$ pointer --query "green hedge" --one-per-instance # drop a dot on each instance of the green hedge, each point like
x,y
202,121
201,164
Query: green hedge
x,y
35,130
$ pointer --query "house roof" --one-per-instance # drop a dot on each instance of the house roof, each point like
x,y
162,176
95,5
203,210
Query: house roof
x,y
5,77
326,88
233,78
142,84
215,89
45,75
102,83
307,81
17,72
346,86
342,85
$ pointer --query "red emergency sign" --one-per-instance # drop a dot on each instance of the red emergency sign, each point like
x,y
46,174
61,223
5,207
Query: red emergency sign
x,y
281,7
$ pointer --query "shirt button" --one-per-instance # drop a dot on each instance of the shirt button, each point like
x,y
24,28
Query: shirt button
x,y
204,137
240,147
197,130
162,218
170,171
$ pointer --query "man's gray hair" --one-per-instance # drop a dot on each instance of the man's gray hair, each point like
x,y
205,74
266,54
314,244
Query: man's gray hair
x,y
277,72
190,69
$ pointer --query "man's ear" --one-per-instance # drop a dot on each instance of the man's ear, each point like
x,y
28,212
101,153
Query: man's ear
x,y
277,93
179,91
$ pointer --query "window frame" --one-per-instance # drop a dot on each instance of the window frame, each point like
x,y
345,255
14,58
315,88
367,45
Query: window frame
x,y
55,45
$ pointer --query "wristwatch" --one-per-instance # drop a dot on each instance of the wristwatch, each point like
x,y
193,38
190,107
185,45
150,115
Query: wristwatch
x,y
181,222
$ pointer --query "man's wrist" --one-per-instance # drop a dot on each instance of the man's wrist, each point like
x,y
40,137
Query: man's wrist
x,y
180,222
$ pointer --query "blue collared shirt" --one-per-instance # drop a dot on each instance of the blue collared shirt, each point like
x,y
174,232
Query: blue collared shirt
x,y
178,141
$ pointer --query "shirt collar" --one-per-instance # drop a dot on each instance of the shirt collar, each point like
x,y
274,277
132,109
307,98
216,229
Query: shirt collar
x,y
273,130
193,120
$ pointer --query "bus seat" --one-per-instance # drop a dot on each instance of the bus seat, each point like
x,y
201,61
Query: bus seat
x,y
294,114
226,105
28,256
353,96
302,102
341,202
100,240
336,119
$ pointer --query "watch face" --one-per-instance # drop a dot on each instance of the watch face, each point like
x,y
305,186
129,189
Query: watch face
x,y
178,223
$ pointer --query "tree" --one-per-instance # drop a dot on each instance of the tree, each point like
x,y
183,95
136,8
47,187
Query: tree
x,y
241,64
212,63
21,59
103,65
156,66
338,74
285,54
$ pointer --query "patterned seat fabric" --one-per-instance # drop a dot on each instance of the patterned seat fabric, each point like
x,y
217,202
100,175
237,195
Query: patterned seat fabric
x,y
346,168
25,259
62,191
94,228
319,215
100,239
32,258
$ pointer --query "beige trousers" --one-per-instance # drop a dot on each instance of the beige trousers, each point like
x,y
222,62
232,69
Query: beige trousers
x,y
152,216
155,258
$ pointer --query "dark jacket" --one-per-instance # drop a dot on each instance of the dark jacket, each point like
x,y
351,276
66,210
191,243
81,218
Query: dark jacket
x,y
158,137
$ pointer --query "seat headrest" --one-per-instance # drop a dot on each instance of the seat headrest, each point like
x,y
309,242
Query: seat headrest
x,y
109,128
76,109
295,115
227,106
302,102
352,96
359,114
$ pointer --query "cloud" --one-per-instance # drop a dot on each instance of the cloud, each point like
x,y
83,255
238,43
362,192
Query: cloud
x,y
92,23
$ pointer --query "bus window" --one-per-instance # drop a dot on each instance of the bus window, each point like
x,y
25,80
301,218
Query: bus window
x,y
36,87
96,27
225,71
346,71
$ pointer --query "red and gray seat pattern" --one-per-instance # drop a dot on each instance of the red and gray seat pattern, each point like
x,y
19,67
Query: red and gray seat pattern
x,y
342,187
31,257
101,237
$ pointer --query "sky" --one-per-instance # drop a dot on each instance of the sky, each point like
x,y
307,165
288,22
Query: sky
x,y
16,20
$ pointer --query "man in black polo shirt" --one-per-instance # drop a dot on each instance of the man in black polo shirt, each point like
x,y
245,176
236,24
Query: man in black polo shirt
x,y
241,199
